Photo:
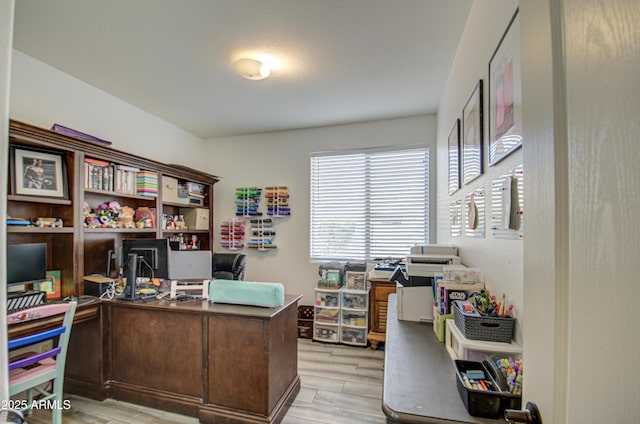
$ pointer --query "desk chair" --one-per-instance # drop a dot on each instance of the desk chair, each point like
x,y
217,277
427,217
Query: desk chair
x,y
29,370
228,266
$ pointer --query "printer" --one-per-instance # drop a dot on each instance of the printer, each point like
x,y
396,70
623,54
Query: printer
x,y
414,283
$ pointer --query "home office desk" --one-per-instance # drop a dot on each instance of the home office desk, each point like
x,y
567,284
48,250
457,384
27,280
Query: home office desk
x,y
419,377
218,362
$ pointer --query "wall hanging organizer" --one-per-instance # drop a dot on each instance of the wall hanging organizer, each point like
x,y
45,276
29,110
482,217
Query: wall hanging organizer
x,y
232,234
248,201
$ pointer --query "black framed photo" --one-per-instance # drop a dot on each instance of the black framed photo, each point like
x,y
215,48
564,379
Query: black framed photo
x,y
472,136
505,95
454,158
39,173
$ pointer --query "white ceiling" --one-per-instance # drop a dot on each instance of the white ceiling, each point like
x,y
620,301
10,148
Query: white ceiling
x,y
341,61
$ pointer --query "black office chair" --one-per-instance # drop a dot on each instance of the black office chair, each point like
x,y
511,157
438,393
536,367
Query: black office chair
x,y
229,266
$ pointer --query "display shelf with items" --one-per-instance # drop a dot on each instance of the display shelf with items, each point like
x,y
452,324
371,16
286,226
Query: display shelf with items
x,y
83,199
262,234
40,196
40,207
183,241
186,213
277,201
232,234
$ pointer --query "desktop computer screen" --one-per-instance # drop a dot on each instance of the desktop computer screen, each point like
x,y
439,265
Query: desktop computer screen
x,y
26,263
151,257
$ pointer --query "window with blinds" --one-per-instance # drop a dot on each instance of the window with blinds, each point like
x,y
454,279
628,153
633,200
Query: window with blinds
x,y
369,204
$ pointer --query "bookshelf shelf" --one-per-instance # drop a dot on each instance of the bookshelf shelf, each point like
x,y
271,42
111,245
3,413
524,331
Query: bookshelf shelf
x,y
77,250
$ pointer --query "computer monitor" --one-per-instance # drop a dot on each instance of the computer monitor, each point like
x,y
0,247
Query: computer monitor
x,y
151,257
26,263
190,265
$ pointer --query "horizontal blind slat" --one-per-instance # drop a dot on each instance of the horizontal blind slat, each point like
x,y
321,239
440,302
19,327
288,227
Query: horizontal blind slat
x,y
369,204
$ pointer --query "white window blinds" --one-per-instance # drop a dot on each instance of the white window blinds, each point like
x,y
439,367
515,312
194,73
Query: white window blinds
x,y
369,204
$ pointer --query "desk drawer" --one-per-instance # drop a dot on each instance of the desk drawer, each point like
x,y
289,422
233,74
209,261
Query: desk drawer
x,y
382,293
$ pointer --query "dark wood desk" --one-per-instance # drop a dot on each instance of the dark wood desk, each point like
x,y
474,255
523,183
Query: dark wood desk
x,y
419,377
218,362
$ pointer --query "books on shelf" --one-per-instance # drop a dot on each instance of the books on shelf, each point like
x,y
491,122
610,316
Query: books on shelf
x,y
103,175
98,174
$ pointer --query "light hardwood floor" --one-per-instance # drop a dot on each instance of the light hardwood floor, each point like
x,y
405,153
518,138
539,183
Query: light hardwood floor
x,y
339,385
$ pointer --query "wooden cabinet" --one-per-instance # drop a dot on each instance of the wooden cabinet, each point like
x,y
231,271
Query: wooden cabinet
x,y
75,249
235,364
378,306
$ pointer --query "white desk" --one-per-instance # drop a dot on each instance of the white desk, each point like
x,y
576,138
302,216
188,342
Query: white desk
x,y
419,376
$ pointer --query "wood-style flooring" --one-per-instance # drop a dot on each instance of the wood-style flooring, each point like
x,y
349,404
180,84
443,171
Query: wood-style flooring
x,y
339,385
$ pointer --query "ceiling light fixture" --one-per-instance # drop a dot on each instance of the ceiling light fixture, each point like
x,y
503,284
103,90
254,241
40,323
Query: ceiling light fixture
x,y
252,69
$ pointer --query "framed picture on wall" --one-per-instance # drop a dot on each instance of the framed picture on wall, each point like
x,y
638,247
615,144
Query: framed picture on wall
x,y
38,173
472,136
505,95
454,158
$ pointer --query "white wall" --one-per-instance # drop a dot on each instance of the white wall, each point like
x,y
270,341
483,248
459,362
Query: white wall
x,y
42,95
500,259
283,158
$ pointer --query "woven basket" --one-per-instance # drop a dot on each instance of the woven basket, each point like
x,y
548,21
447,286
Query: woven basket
x,y
474,327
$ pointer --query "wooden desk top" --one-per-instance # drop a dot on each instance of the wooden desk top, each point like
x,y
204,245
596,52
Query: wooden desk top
x,y
206,307
419,376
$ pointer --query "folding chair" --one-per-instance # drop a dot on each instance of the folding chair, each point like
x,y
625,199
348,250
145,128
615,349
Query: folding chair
x,y
29,370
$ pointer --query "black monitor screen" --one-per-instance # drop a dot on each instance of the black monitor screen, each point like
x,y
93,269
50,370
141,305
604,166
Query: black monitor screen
x,y
152,256
26,263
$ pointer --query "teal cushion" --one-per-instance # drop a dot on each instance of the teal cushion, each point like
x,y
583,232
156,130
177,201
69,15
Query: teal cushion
x,y
246,293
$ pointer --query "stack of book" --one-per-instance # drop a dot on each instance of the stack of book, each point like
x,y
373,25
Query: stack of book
x,y
98,174
147,183
125,179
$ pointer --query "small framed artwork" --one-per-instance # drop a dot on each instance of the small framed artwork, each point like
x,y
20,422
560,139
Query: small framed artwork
x,y
474,211
51,286
472,136
505,95
455,218
454,158
39,173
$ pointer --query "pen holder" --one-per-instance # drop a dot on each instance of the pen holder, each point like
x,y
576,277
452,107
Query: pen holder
x,y
478,327
480,402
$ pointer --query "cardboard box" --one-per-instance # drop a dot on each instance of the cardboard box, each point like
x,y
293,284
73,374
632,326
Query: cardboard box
x,y
169,189
196,218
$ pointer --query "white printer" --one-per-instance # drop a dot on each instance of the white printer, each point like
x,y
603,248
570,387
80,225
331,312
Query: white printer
x,y
414,291
427,260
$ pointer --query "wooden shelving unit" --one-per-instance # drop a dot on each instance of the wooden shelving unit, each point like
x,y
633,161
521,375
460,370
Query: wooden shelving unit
x,y
74,249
